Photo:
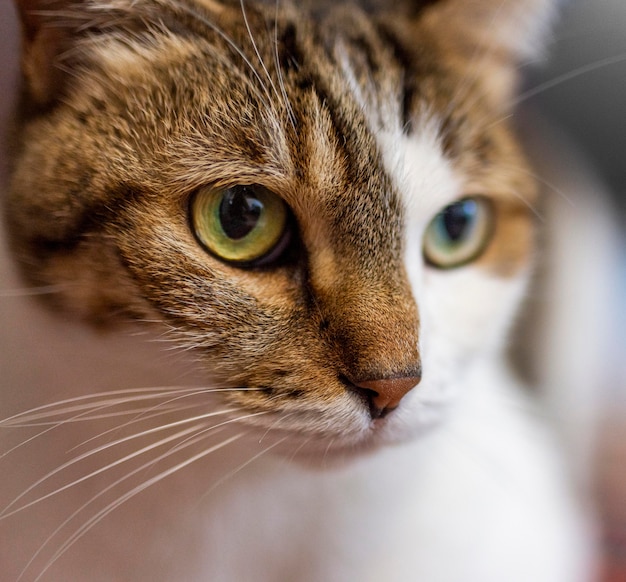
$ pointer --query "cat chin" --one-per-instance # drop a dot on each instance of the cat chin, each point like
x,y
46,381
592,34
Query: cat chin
x,y
332,452
321,458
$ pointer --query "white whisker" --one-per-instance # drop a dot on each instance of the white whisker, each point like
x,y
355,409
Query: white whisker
x,y
241,467
200,18
331,442
118,442
5,513
225,423
54,426
275,424
91,522
529,205
560,79
256,48
555,82
140,392
299,448
167,426
100,405
281,79
547,184
50,410
142,415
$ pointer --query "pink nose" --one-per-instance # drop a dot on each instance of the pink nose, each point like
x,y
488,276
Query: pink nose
x,y
385,394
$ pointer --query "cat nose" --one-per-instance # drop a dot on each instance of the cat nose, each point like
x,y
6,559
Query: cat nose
x,y
385,394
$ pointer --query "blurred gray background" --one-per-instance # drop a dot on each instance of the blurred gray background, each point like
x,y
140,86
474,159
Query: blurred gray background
x,y
582,86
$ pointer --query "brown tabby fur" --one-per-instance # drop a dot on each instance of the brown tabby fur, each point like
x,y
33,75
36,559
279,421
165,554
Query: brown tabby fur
x,y
146,107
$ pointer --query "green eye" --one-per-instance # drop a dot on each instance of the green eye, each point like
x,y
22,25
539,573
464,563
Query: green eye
x,y
459,233
247,225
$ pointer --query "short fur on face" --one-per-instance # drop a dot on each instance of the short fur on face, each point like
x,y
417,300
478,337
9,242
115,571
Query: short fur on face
x,y
367,121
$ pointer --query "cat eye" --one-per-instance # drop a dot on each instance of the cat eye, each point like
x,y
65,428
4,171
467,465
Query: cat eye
x,y
459,233
247,225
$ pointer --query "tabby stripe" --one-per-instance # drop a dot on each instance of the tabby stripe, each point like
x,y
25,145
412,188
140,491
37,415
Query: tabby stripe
x,y
92,218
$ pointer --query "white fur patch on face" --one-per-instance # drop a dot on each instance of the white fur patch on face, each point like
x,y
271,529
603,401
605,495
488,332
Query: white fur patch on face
x,y
464,312
425,179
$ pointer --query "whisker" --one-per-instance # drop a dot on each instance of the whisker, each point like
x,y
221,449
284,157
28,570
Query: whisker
x,y
331,442
241,467
143,415
140,392
168,426
95,519
275,424
74,419
299,448
80,403
85,417
281,79
568,76
556,81
197,392
227,422
535,211
123,440
57,424
5,513
28,440
33,291
547,184
200,18
256,48
118,428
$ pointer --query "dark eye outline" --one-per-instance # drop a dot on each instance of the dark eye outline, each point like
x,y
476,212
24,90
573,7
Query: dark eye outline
x,y
476,250
277,255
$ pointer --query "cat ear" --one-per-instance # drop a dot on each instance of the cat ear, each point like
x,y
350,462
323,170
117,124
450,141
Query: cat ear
x,y
515,27
497,35
44,39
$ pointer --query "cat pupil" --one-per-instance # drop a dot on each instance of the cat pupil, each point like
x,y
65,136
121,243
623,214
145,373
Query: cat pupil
x,y
457,218
239,212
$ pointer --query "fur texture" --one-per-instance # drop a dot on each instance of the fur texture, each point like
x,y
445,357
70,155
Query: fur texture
x,y
367,121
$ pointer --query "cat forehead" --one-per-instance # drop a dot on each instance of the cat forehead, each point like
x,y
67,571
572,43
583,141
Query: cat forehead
x,y
310,97
259,117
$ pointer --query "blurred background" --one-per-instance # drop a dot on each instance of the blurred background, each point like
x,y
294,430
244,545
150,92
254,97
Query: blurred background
x,y
582,86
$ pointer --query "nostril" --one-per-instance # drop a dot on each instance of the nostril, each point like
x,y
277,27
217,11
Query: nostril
x,y
369,397
390,391
383,395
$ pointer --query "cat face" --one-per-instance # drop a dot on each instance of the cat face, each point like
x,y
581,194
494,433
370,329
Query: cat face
x,y
326,204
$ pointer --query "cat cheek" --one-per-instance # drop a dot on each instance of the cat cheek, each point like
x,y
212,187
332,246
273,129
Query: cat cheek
x,y
509,254
478,323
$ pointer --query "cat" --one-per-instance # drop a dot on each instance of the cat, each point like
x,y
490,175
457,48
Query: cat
x,y
267,259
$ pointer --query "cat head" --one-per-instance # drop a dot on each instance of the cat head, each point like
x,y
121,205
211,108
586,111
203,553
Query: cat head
x,y
325,202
